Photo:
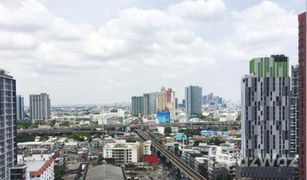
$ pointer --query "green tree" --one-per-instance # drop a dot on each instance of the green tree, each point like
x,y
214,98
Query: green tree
x,y
168,130
216,141
99,160
78,136
24,124
239,117
24,137
223,176
44,138
59,171
65,124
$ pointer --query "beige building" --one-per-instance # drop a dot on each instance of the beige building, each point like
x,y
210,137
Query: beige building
x,y
165,101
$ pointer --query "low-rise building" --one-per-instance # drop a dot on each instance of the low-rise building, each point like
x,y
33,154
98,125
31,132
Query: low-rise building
x,y
35,167
121,151
147,147
19,172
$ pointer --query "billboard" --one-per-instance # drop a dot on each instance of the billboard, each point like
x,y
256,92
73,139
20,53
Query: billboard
x,y
163,117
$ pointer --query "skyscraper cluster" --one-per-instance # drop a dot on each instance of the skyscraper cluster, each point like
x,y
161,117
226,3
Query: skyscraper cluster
x,y
165,101
210,99
151,103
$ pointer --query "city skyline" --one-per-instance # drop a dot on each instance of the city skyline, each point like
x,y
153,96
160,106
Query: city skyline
x,y
100,55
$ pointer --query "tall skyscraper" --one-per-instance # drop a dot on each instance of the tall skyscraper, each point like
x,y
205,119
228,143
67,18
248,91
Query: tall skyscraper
x,y
149,104
8,149
294,110
19,107
205,100
210,98
137,105
193,97
302,96
165,101
183,103
265,117
40,108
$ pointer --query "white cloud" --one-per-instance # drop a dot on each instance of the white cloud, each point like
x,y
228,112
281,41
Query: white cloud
x,y
138,48
153,37
169,76
266,26
28,17
202,10
17,41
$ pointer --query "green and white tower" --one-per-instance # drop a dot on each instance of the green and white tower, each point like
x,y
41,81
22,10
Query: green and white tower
x,y
265,118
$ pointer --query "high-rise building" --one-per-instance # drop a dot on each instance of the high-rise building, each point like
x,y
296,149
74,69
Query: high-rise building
x,y
265,117
8,149
205,100
19,107
149,104
165,101
137,105
40,108
183,103
294,109
193,95
302,96
210,97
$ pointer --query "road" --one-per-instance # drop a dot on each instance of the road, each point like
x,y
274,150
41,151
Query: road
x,y
190,172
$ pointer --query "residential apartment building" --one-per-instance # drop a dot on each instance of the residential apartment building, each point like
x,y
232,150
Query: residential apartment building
x,y
193,97
302,96
19,107
19,172
137,105
294,110
265,117
8,154
146,147
165,101
149,104
122,152
40,108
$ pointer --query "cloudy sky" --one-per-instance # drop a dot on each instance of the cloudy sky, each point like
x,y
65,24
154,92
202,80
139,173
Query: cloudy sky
x,y
94,51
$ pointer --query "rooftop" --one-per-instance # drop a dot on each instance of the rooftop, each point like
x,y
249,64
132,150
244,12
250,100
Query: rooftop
x,y
4,73
106,172
35,165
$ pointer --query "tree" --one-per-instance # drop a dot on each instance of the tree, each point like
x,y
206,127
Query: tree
x,y
239,117
24,137
65,124
223,176
216,141
59,171
168,130
99,160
